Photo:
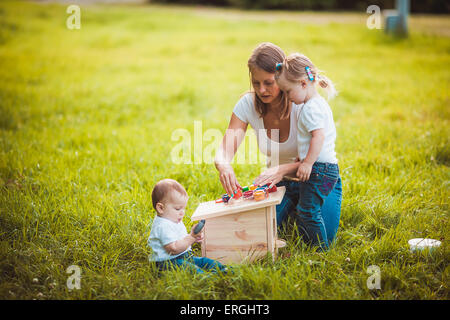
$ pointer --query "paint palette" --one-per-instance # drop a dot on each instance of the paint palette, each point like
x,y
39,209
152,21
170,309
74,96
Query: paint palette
x,y
252,192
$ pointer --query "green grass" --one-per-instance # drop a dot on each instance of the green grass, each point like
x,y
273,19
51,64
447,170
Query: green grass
x,y
85,131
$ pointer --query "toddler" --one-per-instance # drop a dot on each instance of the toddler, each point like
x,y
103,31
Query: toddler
x,y
169,240
318,170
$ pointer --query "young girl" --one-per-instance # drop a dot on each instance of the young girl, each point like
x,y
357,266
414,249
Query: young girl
x,y
316,134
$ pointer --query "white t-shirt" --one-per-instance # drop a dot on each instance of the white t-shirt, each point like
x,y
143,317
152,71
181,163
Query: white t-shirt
x,y
164,232
316,114
286,151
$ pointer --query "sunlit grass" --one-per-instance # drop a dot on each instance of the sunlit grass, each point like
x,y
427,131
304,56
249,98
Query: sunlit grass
x,y
85,131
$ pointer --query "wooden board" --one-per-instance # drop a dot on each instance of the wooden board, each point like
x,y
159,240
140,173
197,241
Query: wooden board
x,y
211,209
237,256
271,229
233,238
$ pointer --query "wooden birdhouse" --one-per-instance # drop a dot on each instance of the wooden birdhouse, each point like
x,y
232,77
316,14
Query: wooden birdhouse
x,y
241,230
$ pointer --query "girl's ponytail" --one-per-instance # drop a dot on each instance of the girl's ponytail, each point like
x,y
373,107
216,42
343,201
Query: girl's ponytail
x,y
297,66
328,85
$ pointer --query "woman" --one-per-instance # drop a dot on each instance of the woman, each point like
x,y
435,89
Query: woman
x,y
274,119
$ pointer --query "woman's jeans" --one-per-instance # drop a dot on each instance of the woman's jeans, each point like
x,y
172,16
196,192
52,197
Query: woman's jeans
x,y
192,263
315,204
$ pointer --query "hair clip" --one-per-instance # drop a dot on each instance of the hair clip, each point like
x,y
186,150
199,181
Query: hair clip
x,y
279,66
310,75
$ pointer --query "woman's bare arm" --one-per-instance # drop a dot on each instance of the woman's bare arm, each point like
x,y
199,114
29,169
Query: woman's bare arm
x,y
230,143
275,174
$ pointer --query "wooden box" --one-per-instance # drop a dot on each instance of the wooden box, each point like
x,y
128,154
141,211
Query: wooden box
x,y
242,230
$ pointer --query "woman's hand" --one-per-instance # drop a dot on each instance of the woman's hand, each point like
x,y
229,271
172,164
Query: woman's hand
x,y
271,176
228,179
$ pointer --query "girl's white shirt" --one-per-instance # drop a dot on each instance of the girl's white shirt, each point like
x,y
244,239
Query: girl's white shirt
x,y
316,114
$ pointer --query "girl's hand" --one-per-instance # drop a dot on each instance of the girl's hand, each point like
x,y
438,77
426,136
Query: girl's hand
x,y
228,179
271,176
304,171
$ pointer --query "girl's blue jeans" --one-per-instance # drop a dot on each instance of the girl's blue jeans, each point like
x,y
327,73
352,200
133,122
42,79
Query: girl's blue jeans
x,y
192,263
315,204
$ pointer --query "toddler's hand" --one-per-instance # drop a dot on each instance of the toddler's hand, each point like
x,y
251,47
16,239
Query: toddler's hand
x,y
199,236
304,171
199,240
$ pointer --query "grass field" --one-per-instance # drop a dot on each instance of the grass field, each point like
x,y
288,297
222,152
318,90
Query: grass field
x,y
86,123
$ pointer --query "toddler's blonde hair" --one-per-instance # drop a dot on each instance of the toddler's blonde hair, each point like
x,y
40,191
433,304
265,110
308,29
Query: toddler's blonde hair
x,y
293,68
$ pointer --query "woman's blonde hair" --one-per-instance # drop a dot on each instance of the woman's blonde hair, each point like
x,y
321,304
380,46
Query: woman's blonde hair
x,y
293,68
266,56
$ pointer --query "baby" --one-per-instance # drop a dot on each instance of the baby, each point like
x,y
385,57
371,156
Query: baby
x,y
169,240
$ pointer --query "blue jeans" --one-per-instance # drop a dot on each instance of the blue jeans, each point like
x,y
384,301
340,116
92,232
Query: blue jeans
x,y
315,204
192,263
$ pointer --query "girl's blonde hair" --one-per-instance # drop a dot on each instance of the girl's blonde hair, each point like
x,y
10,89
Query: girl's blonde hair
x,y
293,68
266,56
